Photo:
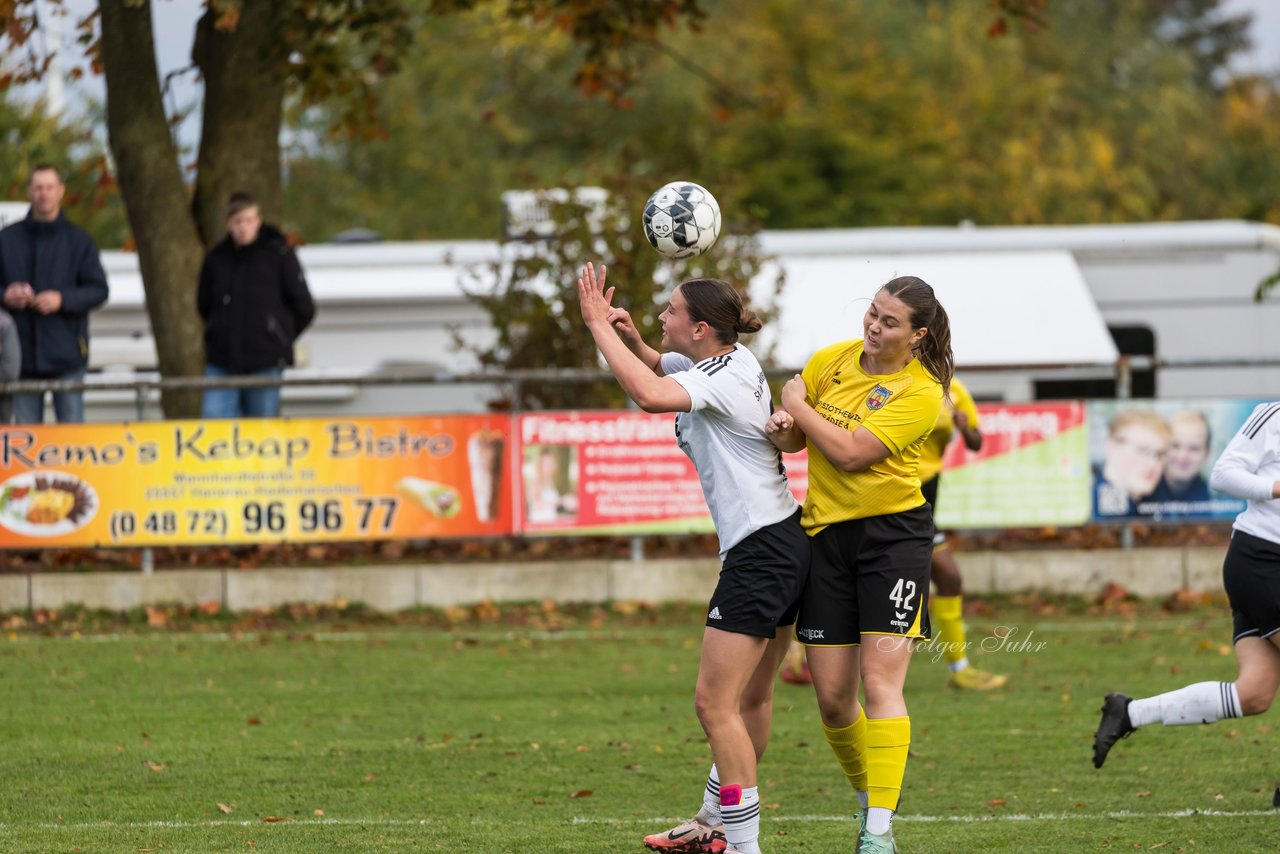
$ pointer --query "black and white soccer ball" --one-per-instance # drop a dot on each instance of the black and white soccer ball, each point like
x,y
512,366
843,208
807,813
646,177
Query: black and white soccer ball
x,y
681,220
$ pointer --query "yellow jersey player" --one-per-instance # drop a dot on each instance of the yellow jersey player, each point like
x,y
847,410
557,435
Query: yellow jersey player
x,y
864,408
946,608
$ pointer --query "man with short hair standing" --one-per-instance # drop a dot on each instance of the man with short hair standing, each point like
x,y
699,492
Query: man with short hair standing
x,y
255,303
53,278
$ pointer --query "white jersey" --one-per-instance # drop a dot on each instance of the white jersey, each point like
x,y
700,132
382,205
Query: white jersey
x,y
740,469
1249,468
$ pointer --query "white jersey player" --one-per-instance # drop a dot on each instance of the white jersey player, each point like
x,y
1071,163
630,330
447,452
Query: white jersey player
x,y
722,402
1249,468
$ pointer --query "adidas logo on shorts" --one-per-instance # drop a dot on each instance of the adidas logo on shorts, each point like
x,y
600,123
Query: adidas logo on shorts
x,y
714,615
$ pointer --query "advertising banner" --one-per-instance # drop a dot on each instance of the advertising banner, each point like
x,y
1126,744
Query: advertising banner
x,y
270,480
607,472
1032,469
1151,459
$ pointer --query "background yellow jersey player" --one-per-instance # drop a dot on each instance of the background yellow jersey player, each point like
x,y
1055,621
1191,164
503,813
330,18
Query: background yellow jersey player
x,y
864,408
946,608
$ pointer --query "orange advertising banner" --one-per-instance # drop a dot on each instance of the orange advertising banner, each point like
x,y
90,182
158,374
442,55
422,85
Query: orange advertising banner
x,y
271,480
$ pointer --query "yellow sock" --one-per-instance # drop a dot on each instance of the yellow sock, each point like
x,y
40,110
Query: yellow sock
x,y
887,743
948,626
850,747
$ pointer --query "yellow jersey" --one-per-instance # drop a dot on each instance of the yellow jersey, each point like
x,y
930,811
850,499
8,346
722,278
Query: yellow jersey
x,y
899,409
936,443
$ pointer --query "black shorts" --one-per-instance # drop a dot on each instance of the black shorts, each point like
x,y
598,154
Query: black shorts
x,y
1251,576
930,490
761,580
869,576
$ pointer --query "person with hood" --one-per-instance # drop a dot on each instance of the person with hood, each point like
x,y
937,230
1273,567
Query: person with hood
x,y
255,303
52,277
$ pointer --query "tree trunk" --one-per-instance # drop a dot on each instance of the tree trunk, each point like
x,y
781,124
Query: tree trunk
x,y
155,197
244,70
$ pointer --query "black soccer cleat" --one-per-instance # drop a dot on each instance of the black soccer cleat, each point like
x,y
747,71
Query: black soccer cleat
x,y
1113,726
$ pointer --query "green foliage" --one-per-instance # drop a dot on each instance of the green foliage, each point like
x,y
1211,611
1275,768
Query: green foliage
x,y
29,136
825,114
578,735
531,294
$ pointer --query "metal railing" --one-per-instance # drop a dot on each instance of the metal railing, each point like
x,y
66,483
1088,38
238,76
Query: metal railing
x,y
1122,370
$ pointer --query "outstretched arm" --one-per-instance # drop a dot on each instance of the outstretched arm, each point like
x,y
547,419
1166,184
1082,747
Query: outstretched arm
x,y
651,393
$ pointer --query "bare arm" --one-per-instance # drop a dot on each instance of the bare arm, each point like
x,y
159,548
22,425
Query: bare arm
x,y
651,393
783,433
620,319
849,451
972,435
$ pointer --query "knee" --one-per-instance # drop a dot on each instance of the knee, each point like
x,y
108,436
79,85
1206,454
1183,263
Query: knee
x,y
711,710
756,702
880,689
836,708
1252,700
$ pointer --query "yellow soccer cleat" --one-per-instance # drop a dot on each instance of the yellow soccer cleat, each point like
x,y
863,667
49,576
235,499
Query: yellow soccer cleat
x,y
973,679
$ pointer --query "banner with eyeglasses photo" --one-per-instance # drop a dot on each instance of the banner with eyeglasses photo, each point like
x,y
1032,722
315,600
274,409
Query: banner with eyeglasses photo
x,y
1151,459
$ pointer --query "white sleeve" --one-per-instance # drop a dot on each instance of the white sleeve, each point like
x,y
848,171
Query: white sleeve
x,y
708,389
1235,472
674,363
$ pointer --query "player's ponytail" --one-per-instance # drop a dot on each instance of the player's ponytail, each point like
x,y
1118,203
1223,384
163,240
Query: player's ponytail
x,y
719,305
934,349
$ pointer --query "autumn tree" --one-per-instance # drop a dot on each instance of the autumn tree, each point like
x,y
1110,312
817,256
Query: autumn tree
x,y
252,55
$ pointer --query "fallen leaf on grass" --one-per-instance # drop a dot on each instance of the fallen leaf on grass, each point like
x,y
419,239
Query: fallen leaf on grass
x,y
996,802
581,793
318,813
273,818
157,767
225,809
1143,794
369,778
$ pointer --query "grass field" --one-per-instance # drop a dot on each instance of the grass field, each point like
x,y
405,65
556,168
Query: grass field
x,y
488,737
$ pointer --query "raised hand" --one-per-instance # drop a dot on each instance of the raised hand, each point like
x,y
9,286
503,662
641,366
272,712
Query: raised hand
x,y
593,298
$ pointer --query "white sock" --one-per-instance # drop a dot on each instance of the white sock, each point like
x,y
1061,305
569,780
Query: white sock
x,y
1201,703
878,819
710,811
742,820
957,666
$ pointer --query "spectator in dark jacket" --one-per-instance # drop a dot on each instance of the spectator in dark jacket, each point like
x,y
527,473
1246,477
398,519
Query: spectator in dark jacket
x,y
52,279
255,303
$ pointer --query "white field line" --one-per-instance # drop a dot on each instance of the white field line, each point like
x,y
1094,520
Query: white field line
x,y
655,822
961,819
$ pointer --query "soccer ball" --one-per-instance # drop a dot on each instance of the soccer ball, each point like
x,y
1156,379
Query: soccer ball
x,y
681,220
